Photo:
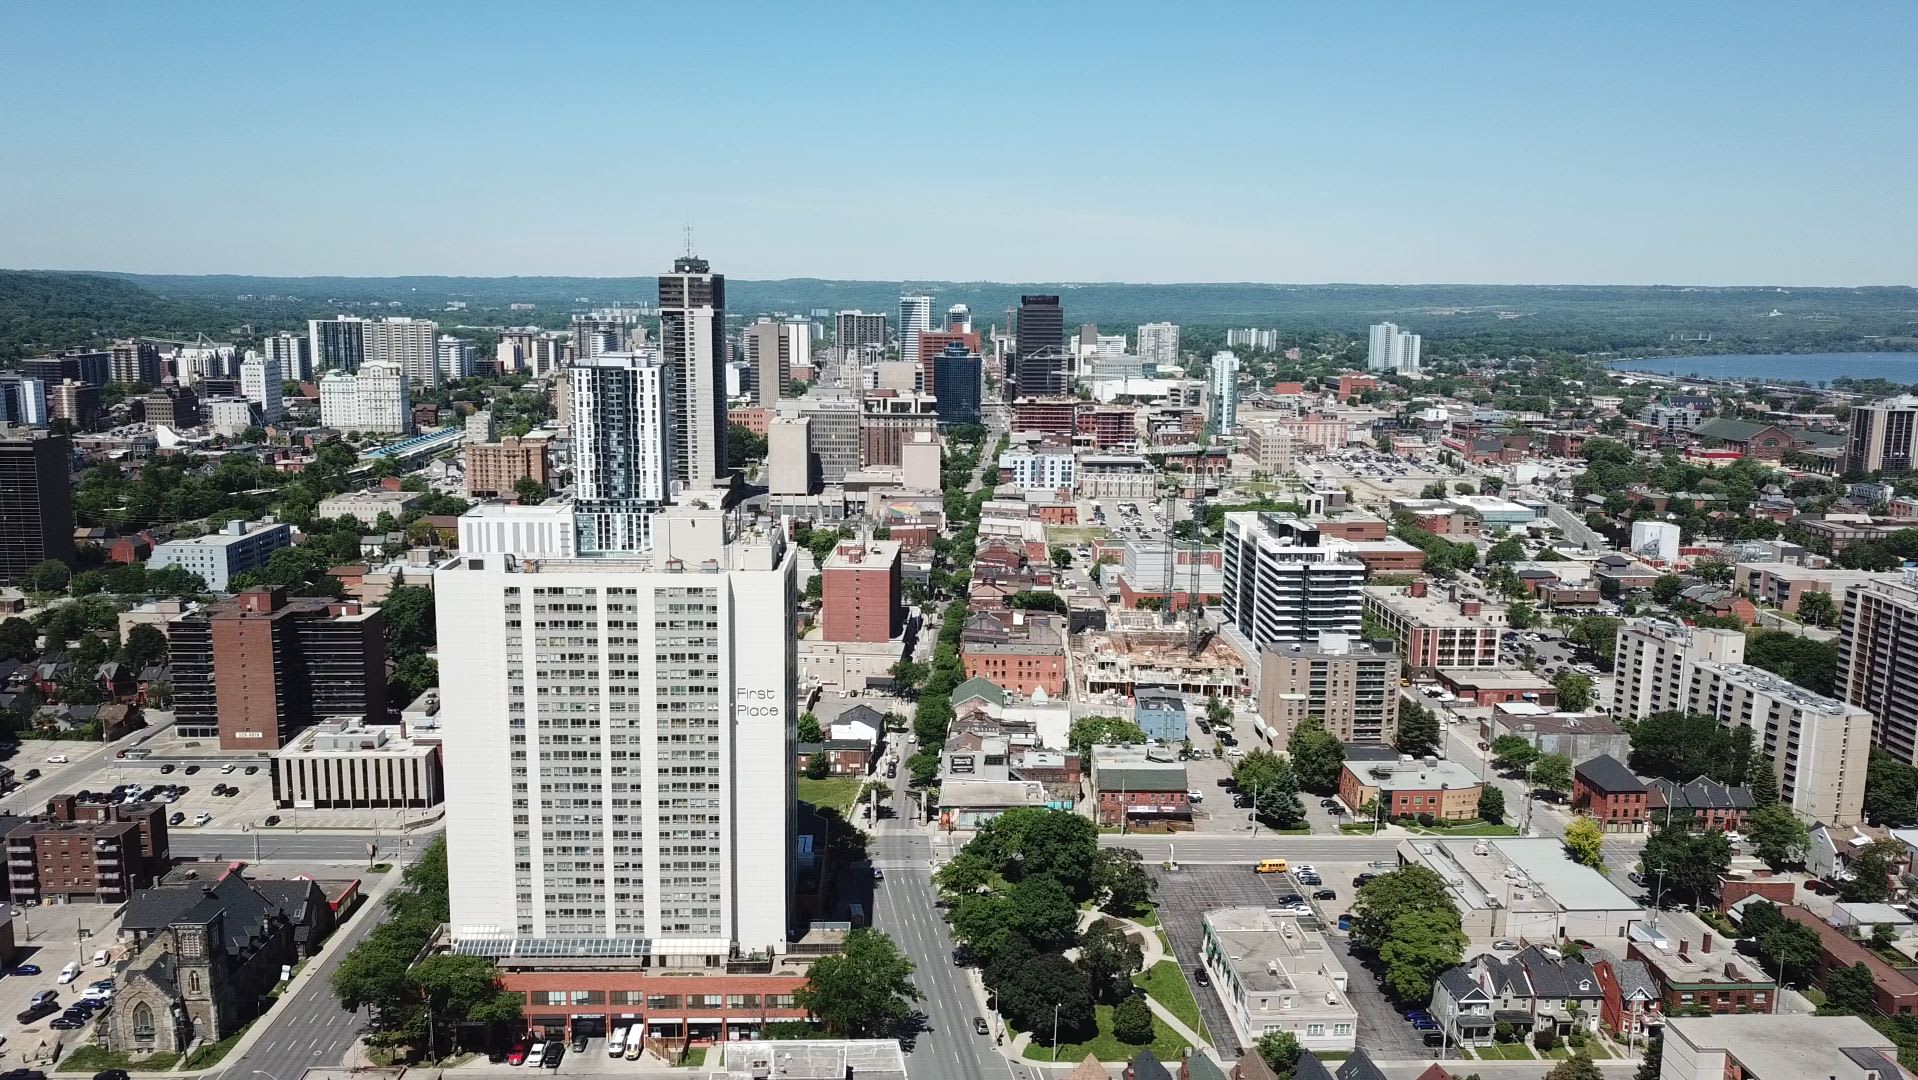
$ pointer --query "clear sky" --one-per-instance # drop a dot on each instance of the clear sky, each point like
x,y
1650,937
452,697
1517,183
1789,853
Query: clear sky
x,y
1611,142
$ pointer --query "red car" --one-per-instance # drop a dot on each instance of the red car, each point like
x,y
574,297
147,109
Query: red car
x,y
517,1055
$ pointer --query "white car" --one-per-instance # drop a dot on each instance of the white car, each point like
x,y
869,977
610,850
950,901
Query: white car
x,y
1195,796
56,759
69,973
227,769
202,818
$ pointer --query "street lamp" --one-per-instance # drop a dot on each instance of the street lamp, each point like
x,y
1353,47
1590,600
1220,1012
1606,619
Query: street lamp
x,y
1658,894
1055,1032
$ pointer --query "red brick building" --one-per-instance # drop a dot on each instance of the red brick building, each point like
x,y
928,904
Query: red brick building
x,y
1608,791
1059,415
1894,993
1024,655
1352,385
861,592
92,851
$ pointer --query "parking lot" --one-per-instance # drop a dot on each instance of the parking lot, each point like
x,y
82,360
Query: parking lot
x,y
244,798
47,937
1186,894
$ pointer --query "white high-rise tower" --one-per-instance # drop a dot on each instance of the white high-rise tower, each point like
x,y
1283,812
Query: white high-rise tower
x,y
622,746
915,315
1392,349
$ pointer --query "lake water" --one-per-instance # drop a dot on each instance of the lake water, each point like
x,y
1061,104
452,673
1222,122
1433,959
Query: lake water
x,y
1898,367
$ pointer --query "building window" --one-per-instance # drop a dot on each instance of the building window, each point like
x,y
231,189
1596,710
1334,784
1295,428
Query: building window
x,y
143,1022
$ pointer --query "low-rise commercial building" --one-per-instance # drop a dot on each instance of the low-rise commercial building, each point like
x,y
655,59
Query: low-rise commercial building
x,y
1273,975
1524,887
1160,713
1140,787
1717,982
1782,585
1783,1046
347,763
1443,789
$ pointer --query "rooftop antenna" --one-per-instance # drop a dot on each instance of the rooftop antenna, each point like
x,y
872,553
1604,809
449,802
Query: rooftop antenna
x,y
687,231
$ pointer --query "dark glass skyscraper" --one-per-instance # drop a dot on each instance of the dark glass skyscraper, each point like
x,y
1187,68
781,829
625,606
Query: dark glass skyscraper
x,y
692,322
957,375
1040,367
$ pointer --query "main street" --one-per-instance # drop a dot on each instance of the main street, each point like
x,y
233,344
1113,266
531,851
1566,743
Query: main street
x,y
307,1028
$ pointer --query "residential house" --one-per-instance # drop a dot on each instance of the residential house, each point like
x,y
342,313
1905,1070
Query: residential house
x,y
1631,1004
1712,805
844,757
1537,988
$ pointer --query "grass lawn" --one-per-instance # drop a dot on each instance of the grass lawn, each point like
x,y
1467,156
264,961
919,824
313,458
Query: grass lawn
x,y
1503,1052
211,1053
1480,829
1165,983
1813,995
695,1057
90,1059
1166,1044
837,792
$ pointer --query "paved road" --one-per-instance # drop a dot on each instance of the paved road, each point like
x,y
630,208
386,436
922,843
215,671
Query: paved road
x,y
285,844
1201,848
309,1028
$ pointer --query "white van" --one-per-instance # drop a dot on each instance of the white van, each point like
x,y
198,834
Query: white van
x,y
69,973
100,958
616,1042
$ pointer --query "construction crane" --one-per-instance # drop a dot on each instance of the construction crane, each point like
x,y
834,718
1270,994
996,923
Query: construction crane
x,y
1196,634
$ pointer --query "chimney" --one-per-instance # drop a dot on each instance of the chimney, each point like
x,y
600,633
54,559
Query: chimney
x,y
1705,943
1684,948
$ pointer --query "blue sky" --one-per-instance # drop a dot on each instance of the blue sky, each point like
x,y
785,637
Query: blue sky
x,y
1375,142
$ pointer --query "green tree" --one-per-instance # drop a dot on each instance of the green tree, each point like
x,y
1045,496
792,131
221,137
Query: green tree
x,y
412,676
1577,1067
864,991
1684,746
1507,551
1088,731
1491,804
1777,836
1871,873
1061,556
1891,787
1762,778
1031,990
1792,947
744,446
1585,842
462,990
1317,756
1423,944
1810,663
818,766
50,576
1653,1062
1522,615
1818,609
1666,587
1574,691
809,729
1418,733
1132,1021
1758,918
1040,910
1122,882
18,639
1274,787
1553,773
1512,752
1281,1050
146,645
411,626
1109,958
1693,860
1851,990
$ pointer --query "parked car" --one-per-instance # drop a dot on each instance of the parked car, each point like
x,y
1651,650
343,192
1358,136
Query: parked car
x,y
272,819
112,1074
1502,945
176,818
555,1050
69,973
30,774
1200,978
164,769
56,759
536,1054
253,770
44,997
579,1043
228,769
190,769
202,818
1325,894
517,1054
27,969
63,1023
979,1024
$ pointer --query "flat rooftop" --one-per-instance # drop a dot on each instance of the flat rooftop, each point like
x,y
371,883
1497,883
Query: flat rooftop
x,y
1787,1044
1257,941
868,1059
1434,609
1518,874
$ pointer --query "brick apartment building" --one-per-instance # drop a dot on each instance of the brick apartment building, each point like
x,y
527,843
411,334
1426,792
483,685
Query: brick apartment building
x,y
1894,993
494,469
860,591
1608,791
256,669
85,851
